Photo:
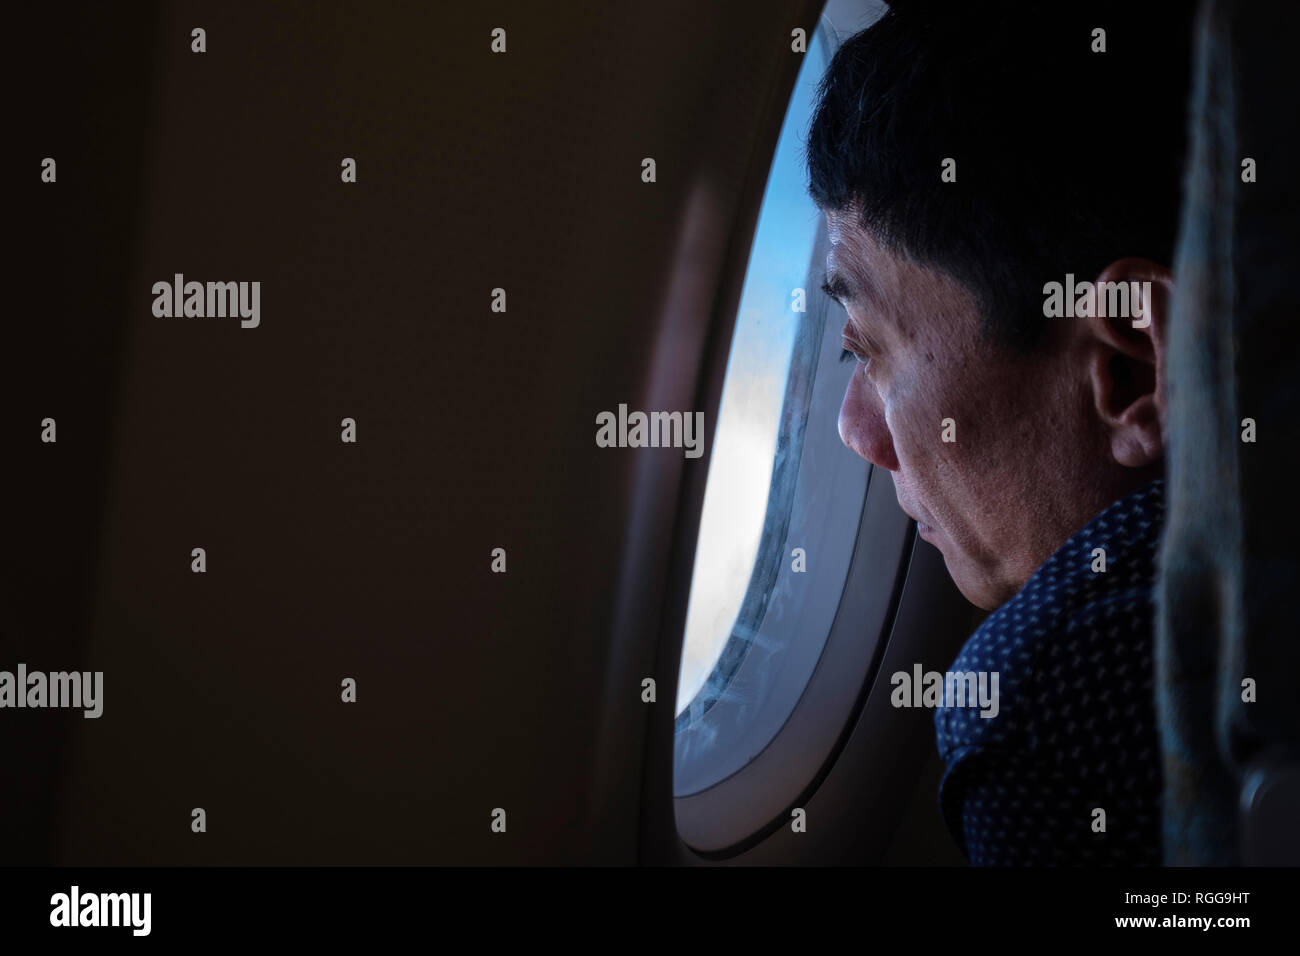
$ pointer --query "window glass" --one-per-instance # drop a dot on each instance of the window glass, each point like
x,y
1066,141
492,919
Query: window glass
x,y
749,440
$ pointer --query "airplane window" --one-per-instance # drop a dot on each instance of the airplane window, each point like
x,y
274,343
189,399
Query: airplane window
x,y
800,549
761,419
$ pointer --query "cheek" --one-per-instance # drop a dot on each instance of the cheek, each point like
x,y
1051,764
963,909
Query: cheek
x,y
914,407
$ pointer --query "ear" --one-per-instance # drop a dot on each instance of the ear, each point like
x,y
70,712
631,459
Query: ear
x,y
1127,330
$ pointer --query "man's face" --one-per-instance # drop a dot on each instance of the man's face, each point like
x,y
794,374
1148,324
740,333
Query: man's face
x,y
1001,495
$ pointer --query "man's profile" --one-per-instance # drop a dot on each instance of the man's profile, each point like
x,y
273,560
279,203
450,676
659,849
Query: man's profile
x,y
968,157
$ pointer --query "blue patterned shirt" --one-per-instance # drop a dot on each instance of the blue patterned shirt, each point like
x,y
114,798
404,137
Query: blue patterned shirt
x,y
1075,731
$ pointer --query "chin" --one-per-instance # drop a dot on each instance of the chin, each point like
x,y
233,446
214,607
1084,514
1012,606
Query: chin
x,y
975,587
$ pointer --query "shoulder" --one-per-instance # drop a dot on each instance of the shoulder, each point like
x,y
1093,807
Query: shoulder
x,y
1074,655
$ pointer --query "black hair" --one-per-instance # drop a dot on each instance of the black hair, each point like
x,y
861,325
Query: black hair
x,y
1066,159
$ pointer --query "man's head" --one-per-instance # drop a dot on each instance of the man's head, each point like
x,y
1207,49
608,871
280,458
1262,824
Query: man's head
x,y
1005,430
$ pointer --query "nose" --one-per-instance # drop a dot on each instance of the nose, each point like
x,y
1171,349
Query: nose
x,y
862,423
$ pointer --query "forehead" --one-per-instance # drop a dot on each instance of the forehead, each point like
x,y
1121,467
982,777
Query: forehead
x,y
892,287
856,264
839,227
850,242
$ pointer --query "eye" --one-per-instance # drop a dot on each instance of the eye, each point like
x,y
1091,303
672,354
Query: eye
x,y
848,355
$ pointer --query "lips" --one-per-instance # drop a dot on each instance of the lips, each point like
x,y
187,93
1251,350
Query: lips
x,y
922,528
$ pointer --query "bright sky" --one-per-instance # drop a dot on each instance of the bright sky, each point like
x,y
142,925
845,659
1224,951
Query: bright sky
x,y
740,471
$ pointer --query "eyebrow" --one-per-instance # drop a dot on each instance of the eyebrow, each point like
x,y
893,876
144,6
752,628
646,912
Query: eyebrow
x,y
844,288
839,288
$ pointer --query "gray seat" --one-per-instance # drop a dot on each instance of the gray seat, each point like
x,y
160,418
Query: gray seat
x,y
1228,645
